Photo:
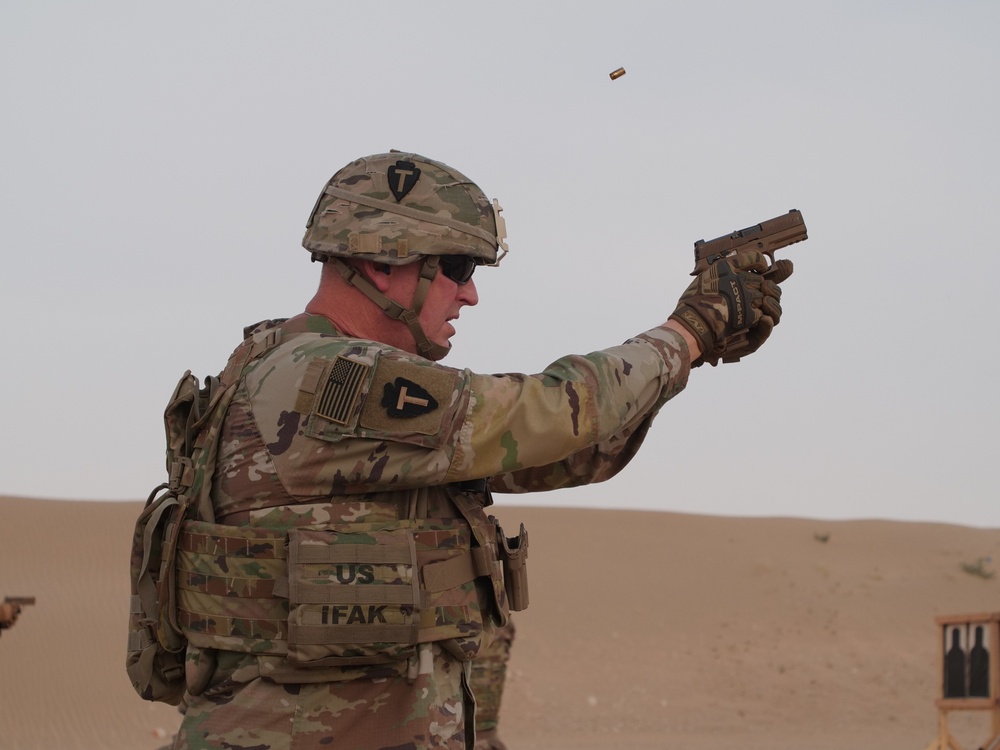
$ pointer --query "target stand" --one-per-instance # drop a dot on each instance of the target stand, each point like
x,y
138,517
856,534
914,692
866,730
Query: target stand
x,y
970,674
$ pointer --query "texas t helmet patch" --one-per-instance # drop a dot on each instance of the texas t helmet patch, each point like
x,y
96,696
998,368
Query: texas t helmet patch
x,y
403,175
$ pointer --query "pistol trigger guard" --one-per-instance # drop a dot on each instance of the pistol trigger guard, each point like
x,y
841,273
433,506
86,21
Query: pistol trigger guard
x,y
770,265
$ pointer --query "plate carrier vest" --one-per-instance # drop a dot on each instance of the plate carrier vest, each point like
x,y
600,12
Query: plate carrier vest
x,y
340,594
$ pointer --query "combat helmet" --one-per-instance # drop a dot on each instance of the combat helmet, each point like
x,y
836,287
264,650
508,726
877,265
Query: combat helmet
x,y
400,208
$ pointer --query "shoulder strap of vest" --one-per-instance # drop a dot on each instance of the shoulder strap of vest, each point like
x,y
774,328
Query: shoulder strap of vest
x,y
222,389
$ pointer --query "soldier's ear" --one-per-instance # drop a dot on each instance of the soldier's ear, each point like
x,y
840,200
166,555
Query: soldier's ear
x,y
377,274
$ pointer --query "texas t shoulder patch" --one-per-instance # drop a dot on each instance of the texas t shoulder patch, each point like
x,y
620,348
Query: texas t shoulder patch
x,y
408,397
405,399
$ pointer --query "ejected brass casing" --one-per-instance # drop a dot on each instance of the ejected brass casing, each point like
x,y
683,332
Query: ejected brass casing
x,y
617,73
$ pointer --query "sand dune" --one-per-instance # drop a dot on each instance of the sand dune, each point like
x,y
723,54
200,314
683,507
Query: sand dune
x,y
646,630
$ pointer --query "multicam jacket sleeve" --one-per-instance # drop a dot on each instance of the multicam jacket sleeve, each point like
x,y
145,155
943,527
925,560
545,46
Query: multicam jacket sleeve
x,y
323,415
584,417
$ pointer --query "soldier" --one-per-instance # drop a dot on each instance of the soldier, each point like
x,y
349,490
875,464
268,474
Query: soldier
x,y
8,615
353,471
11,609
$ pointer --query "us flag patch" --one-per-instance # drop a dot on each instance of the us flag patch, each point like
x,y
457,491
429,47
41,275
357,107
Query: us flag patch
x,y
340,393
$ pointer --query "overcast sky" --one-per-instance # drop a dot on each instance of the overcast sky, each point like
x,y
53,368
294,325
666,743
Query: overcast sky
x,y
158,163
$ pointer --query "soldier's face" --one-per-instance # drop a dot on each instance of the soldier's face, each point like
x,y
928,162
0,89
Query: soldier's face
x,y
443,302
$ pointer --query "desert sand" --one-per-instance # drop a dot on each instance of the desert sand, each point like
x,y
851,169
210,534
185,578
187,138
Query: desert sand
x,y
645,630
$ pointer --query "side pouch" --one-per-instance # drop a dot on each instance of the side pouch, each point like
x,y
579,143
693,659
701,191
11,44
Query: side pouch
x,y
155,656
353,597
514,555
156,645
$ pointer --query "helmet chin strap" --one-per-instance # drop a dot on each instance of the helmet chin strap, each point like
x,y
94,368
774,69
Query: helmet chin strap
x,y
428,270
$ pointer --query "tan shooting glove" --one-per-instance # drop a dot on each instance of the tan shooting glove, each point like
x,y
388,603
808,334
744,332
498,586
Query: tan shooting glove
x,y
733,306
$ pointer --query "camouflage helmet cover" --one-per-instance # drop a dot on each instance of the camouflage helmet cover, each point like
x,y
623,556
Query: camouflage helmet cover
x,y
396,207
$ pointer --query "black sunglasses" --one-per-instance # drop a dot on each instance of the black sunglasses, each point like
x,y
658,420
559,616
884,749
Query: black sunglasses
x,y
458,268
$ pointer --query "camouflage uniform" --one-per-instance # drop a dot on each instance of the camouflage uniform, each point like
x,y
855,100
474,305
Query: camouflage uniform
x,y
326,430
489,674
